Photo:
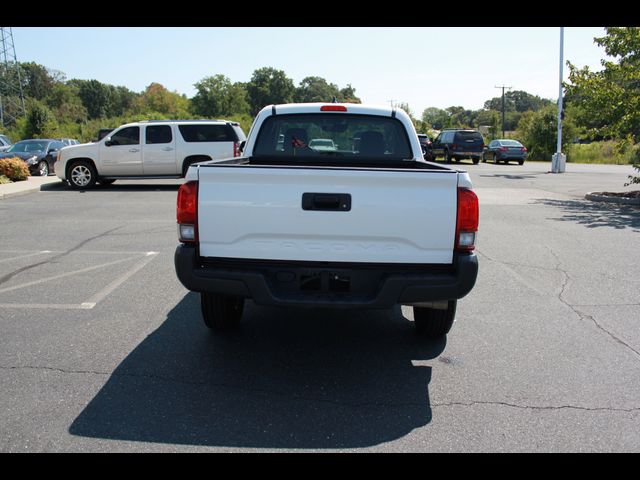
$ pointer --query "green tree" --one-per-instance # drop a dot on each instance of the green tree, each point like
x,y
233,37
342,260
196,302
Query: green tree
x,y
156,98
95,96
435,117
37,80
538,131
608,101
316,89
269,86
41,122
348,95
65,103
217,96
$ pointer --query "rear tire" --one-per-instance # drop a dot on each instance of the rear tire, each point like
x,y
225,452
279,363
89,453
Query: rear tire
x,y
221,313
475,160
447,158
433,322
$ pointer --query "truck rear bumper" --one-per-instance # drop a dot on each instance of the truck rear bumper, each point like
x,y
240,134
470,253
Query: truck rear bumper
x,y
318,284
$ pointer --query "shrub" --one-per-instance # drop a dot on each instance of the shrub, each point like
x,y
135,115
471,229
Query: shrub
x,y
14,168
609,151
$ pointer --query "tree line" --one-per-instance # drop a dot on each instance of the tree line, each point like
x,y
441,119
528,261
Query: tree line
x,y
76,108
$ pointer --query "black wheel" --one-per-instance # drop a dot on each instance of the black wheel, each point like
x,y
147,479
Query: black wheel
x,y
81,175
447,158
484,158
475,160
221,312
520,162
43,168
432,322
496,160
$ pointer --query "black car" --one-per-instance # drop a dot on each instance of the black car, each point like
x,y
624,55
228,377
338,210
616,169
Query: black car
x,y
425,143
456,144
38,154
504,150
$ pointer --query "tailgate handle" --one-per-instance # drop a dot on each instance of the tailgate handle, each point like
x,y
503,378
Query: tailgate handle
x,y
334,202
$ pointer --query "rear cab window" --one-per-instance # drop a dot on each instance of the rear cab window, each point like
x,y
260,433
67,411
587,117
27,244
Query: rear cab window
x,y
338,138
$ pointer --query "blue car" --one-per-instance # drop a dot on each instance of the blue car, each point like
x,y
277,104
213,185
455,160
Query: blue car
x,y
505,150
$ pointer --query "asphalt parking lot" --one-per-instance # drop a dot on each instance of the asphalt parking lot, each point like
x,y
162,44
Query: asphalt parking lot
x,y
103,350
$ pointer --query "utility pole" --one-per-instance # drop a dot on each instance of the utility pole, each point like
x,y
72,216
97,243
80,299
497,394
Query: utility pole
x,y
11,95
503,87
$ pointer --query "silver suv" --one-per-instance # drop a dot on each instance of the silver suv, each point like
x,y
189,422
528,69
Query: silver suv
x,y
149,149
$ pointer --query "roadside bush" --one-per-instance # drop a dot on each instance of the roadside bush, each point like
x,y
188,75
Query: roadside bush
x,y
4,179
609,152
14,169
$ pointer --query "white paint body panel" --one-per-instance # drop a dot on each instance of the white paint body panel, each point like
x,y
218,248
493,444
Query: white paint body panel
x,y
395,217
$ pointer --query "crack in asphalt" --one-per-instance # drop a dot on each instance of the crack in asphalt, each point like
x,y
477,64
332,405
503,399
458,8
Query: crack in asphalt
x,y
565,281
324,400
10,275
583,316
537,407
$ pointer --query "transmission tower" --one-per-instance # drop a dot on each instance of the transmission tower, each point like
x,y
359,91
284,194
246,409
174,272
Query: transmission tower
x,y
11,95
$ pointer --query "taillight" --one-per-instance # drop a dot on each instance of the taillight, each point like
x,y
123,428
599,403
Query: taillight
x,y
187,212
236,149
503,149
524,149
467,221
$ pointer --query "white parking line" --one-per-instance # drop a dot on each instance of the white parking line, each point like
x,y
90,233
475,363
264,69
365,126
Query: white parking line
x,y
25,256
95,299
62,275
118,281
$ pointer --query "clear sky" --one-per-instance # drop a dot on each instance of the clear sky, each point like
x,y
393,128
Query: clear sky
x,y
424,67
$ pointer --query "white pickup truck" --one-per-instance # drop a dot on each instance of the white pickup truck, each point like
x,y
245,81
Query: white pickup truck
x,y
368,224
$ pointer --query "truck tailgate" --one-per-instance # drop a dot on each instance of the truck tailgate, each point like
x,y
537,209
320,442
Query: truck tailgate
x,y
394,216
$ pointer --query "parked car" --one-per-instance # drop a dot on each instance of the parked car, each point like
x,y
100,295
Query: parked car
x,y
504,150
5,143
323,145
38,154
426,144
457,144
149,149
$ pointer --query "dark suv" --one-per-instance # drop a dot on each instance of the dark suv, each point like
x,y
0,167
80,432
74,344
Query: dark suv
x,y
456,144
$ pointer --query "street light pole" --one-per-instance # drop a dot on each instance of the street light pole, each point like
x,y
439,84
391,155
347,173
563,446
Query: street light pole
x,y
558,161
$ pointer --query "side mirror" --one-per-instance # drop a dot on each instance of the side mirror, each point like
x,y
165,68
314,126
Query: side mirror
x,y
242,145
108,142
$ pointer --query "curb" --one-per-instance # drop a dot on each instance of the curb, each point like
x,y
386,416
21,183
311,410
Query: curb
x,y
24,187
595,197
